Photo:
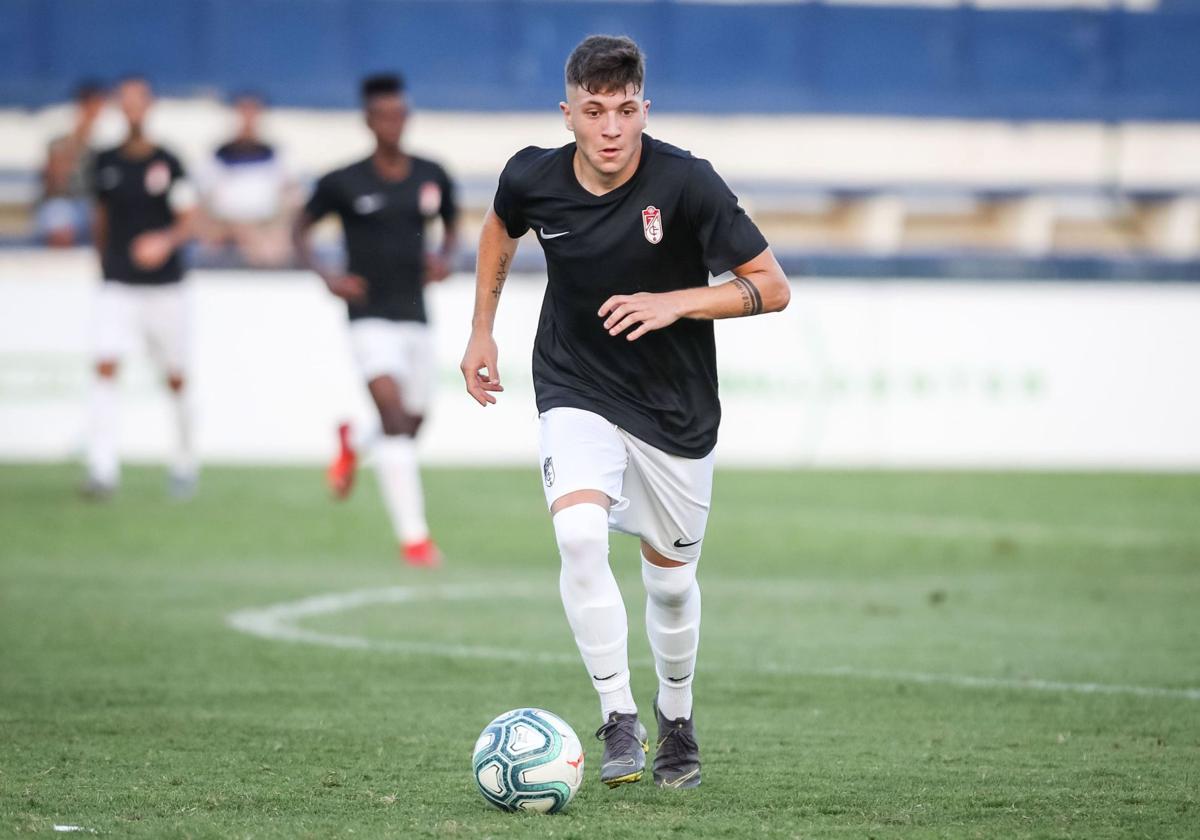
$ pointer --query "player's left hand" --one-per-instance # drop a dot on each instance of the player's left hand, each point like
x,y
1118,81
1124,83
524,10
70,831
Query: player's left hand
x,y
437,268
151,249
648,310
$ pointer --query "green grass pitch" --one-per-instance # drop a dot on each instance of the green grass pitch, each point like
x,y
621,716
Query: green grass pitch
x,y
888,655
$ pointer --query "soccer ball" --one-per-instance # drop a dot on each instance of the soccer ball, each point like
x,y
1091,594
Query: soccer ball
x,y
528,760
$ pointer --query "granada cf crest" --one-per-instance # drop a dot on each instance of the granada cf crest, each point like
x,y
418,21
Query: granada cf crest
x,y
158,178
429,199
652,224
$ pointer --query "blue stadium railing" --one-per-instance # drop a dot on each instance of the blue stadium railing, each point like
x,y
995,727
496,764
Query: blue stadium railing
x,y
723,58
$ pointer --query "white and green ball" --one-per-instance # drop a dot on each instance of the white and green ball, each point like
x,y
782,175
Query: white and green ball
x,y
528,760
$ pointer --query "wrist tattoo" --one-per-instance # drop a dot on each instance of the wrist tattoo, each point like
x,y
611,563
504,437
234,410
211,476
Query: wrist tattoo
x,y
501,276
752,302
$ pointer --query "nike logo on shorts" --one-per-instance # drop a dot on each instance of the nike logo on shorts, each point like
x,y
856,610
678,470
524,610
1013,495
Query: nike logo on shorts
x,y
545,235
679,544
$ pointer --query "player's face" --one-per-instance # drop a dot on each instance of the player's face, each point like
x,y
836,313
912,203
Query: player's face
x,y
386,116
607,126
249,110
134,98
91,106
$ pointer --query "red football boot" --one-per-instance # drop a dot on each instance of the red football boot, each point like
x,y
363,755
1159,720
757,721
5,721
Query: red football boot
x,y
422,554
340,474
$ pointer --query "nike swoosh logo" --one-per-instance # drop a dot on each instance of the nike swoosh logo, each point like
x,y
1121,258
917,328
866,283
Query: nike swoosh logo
x,y
679,544
552,235
678,679
602,679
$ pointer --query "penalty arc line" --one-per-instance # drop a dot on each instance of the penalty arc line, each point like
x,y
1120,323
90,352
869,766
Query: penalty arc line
x,y
280,622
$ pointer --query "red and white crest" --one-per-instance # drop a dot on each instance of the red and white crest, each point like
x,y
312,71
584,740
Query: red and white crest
x,y
158,177
652,224
429,199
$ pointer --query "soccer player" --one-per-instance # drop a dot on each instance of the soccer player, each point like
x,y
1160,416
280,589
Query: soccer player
x,y
624,369
386,203
143,217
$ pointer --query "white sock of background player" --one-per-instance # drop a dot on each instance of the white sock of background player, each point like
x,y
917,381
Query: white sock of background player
x,y
593,604
183,463
400,480
673,625
103,465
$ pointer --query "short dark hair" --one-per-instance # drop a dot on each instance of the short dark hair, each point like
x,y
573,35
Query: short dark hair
x,y
89,89
382,84
606,63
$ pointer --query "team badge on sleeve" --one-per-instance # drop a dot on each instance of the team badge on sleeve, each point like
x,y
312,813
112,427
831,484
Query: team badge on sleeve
x,y
652,224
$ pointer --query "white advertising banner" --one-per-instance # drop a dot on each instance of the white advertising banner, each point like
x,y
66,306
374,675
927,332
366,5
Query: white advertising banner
x,y
894,374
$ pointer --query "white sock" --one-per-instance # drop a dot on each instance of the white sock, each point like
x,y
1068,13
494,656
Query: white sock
x,y
673,625
103,465
364,436
593,604
183,464
400,480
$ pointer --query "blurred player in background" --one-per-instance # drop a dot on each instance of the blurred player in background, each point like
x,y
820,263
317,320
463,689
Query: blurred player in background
x,y
144,212
247,193
63,214
386,204
624,369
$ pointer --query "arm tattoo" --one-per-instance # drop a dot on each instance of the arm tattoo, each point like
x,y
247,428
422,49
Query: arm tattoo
x,y
501,276
752,302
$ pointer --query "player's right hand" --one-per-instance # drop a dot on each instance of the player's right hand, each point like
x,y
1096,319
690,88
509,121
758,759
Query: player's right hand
x,y
479,368
349,287
150,250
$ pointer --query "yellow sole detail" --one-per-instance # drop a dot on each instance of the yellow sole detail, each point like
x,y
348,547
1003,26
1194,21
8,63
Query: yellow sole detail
x,y
624,780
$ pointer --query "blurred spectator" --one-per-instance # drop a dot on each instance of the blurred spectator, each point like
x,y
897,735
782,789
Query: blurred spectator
x,y
63,215
248,195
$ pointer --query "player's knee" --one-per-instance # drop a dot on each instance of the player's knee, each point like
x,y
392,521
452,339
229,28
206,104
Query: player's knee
x,y
582,535
106,369
669,586
176,382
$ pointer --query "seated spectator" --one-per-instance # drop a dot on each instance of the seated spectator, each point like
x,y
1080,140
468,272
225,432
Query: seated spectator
x,y
63,214
247,194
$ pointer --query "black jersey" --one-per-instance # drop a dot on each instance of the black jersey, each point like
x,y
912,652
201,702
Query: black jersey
x,y
666,228
136,195
384,224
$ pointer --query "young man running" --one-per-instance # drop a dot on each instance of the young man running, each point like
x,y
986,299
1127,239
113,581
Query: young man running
x,y
624,369
385,203
144,210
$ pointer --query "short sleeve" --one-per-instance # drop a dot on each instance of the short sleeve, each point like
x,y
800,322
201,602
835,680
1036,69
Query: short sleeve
x,y
182,195
449,206
92,178
322,201
727,236
177,171
508,201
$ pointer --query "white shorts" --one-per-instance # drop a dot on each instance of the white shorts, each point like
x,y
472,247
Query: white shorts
x,y
159,316
662,498
402,350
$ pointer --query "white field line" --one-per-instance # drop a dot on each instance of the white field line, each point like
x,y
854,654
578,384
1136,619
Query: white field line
x,y
280,622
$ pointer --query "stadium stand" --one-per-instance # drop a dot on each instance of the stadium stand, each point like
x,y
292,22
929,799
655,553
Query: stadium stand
x,y
1026,137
